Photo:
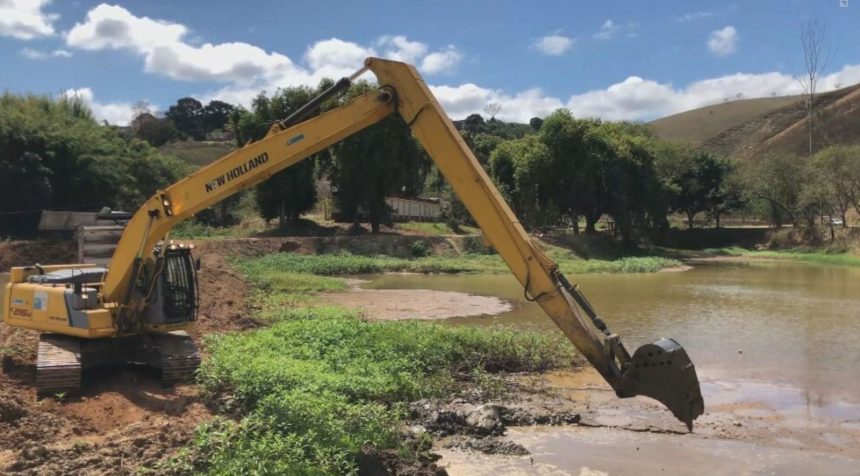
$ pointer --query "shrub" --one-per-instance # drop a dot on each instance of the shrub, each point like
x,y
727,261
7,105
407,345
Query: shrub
x,y
418,249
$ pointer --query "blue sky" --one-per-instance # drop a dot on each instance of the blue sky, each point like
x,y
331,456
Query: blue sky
x,y
616,60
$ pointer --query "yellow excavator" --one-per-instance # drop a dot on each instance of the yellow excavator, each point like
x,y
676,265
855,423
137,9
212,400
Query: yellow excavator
x,y
138,309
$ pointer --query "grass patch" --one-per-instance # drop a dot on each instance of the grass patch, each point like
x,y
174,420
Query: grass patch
x,y
841,259
349,264
804,255
434,229
321,385
194,230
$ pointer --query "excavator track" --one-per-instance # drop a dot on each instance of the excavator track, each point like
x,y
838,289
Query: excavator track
x,y
58,368
61,359
178,357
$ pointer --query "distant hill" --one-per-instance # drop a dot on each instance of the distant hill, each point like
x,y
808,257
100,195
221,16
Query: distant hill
x,y
749,127
198,154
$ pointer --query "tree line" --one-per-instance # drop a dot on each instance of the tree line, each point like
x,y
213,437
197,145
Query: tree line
x,y
555,171
55,155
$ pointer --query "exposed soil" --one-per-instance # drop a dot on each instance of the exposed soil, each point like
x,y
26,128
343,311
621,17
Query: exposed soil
x,y
28,252
398,304
124,418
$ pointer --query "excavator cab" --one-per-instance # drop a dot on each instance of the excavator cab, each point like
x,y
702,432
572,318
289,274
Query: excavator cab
x,y
176,297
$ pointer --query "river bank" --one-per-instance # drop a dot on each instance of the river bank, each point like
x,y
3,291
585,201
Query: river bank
x,y
254,296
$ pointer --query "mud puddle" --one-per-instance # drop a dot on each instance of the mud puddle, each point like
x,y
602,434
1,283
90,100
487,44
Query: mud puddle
x,y
398,304
608,451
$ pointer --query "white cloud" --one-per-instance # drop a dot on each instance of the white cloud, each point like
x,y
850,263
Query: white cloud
x,y
25,20
553,45
246,70
116,113
399,48
635,98
461,101
34,54
693,16
334,58
723,42
607,30
444,61
166,52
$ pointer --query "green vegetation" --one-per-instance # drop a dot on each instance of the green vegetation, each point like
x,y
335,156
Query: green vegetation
x,y
435,229
53,154
291,192
379,161
805,255
321,386
350,264
830,187
197,154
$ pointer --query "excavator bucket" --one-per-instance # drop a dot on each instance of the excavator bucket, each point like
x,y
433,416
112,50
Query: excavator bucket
x,y
664,372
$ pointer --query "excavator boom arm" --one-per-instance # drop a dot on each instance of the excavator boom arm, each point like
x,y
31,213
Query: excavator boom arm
x,y
237,171
661,370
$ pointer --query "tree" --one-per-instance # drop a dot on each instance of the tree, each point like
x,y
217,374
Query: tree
x,y
482,145
374,163
142,106
291,192
535,123
473,124
187,116
55,148
24,182
215,116
837,173
521,168
773,179
813,42
574,171
491,109
156,131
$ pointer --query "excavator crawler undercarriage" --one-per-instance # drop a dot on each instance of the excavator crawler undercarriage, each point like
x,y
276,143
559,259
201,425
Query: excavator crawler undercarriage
x,y
62,359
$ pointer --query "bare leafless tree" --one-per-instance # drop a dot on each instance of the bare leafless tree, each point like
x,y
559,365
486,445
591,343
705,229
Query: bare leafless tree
x,y
492,109
813,41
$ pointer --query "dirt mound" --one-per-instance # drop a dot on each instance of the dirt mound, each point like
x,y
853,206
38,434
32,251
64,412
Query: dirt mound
x,y
223,291
27,252
124,419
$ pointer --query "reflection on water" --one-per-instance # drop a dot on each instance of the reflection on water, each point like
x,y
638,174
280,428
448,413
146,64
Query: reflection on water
x,y
776,321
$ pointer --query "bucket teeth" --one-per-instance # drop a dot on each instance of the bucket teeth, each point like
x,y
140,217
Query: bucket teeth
x,y
664,372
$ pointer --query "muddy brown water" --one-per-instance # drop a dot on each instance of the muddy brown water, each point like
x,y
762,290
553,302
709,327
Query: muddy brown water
x,y
776,345
784,322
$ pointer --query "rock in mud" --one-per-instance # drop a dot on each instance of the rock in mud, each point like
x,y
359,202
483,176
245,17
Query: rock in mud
x,y
527,414
486,420
491,445
458,417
